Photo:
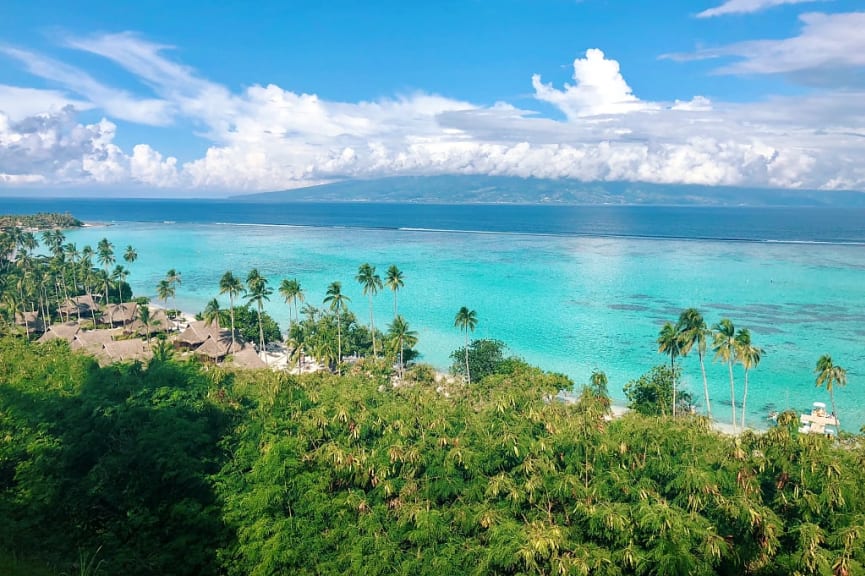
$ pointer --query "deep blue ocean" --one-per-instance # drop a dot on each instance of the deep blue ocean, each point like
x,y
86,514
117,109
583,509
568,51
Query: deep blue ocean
x,y
834,225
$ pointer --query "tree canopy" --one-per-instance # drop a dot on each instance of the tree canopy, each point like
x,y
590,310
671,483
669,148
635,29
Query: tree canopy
x,y
181,468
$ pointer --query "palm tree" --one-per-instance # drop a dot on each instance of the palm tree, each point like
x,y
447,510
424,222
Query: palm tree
x,y
71,252
749,357
403,337
211,313
394,281
53,240
292,292
173,278
147,319
371,283
258,291
724,345
230,284
466,320
86,263
828,374
669,343
130,255
693,331
119,275
337,301
164,291
105,256
103,278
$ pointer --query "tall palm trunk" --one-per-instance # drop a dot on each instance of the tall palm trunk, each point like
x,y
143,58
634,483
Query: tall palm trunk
x,y
673,370
468,374
834,410
744,401
372,326
401,364
261,332
24,312
394,305
110,316
231,311
705,385
732,392
65,297
338,343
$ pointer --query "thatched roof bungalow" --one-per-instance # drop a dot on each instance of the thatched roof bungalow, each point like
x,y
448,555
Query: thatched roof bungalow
x,y
159,322
195,334
248,358
120,314
93,341
126,350
198,332
66,331
79,305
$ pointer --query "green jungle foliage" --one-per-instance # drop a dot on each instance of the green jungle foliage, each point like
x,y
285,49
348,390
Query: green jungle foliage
x,y
39,221
176,468
315,334
246,323
117,459
652,393
486,356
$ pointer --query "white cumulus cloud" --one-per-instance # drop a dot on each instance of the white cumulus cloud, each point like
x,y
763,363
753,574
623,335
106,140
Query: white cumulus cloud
x,y
267,137
747,7
599,89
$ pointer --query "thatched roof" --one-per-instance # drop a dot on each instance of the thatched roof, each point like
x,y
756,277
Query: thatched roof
x,y
83,304
120,313
212,349
197,332
65,331
159,322
92,340
247,357
123,350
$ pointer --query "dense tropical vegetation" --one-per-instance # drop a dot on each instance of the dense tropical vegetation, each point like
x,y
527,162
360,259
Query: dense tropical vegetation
x,y
177,468
376,465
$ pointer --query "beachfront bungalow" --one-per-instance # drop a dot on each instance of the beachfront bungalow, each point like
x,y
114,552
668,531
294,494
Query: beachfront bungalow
x,y
93,341
214,350
247,358
120,314
244,357
82,306
125,351
195,334
199,332
159,323
66,331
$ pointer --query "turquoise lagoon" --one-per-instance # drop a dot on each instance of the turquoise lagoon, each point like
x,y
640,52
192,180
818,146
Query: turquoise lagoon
x,y
570,304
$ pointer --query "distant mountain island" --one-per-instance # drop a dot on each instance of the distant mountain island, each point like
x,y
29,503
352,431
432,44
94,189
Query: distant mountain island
x,y
514,190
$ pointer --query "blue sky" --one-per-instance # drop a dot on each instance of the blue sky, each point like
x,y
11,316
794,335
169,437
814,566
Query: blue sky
x,y
224,97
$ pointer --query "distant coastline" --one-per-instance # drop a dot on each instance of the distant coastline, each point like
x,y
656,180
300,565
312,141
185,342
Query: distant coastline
x,y
40,221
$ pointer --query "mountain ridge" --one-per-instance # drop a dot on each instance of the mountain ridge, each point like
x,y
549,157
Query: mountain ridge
x,y
458,189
